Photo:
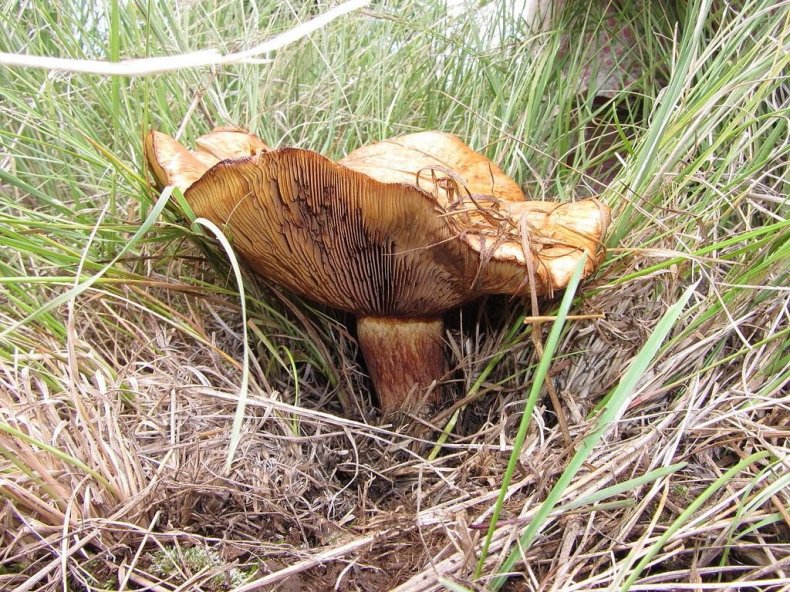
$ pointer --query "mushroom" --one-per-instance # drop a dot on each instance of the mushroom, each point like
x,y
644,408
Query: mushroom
x,y
396,233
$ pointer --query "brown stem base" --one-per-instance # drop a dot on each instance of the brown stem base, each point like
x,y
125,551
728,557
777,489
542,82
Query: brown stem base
x,y
404,356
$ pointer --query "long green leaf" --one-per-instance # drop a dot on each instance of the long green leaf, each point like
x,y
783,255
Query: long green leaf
x,y
83,286
238,418
537,385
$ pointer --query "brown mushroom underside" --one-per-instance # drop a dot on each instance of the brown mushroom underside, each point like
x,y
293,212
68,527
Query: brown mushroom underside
x,y
336,236
396,255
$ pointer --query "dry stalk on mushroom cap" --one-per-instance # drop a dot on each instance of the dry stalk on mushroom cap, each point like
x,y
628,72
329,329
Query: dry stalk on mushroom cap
x,y
397,233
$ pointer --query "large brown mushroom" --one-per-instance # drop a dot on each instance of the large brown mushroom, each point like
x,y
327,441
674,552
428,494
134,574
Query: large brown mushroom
x,y
397,233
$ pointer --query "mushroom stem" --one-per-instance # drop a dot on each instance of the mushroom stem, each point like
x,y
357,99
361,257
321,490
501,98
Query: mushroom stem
x,y
404,356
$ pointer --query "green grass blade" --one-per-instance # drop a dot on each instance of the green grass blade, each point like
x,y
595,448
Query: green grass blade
x,y
238,418
164,198
537,385
622,487
686,515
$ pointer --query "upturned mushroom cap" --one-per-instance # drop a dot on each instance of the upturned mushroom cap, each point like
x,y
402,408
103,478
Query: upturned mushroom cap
x,y
397,233
341,238
362,236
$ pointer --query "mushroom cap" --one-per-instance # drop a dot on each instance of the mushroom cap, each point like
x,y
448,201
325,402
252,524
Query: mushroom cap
x,y
172,164
489,205
438,162
362,236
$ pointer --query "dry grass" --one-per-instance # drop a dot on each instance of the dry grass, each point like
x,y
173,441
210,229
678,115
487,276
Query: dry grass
x,y
154,414
116,405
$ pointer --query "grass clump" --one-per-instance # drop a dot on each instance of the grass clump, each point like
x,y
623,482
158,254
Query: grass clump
x,y
662,460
